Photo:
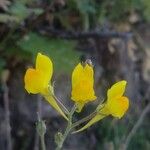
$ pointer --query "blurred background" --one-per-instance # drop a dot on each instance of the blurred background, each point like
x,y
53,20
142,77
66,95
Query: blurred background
x,y
114,34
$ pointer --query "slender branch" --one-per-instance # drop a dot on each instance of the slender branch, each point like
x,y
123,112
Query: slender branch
x,y
39,105
51,91
90,116
84,119
83,35
136,126
42,142
7,117
68,129
61,104
41,129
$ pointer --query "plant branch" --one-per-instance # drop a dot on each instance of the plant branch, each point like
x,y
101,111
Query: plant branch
x,y
84,119
136,126
41,130
61,104
7,115
39,111
51,32
68,129
42,142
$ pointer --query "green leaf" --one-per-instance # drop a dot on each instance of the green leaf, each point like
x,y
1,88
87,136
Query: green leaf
x,y
19,10
85,6
12,49
62,52
5,18
36,11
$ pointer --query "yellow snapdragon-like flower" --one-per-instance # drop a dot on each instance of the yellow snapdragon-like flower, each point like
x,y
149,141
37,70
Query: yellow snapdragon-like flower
x,y
38,80
116,104
82,85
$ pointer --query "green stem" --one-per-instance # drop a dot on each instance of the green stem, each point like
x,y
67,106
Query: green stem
x,y
68,129
42,142
84,119
61,104
41,130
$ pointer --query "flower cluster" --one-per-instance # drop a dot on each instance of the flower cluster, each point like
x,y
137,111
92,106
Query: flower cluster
x,y
38,80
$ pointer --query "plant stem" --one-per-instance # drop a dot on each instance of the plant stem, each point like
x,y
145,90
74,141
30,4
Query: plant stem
x,y
7,116
84,119
42,142
61,104
41,130
68,129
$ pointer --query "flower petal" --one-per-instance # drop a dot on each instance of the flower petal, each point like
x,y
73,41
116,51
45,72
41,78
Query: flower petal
x,y
82,84
34,81
117,90
44,64
118,107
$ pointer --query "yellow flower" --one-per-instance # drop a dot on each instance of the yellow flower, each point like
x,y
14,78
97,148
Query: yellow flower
x,y
38,80
116,104
82,85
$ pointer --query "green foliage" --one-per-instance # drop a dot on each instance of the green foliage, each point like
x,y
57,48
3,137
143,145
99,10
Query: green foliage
x,y
21,11
119,9
114,11
85,6
115,132
60,51
13,50
18,11
88,13
5,18
146,10
140,140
